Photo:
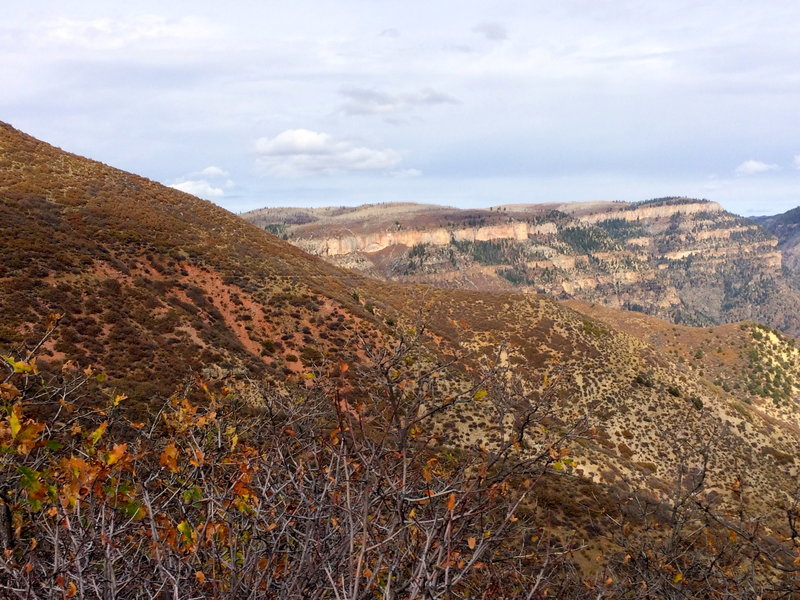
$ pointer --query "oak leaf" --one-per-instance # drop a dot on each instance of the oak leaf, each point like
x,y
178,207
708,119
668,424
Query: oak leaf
x,y
169,458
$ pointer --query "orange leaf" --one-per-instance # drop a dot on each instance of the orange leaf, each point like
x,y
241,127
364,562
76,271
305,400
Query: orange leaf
x,y
71,590
169,458
199,458
471,543
201,577
451,502
8,391
115,454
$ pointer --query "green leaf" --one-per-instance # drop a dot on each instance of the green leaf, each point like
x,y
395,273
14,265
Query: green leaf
x,y
53,445
133,509
193,494
186,530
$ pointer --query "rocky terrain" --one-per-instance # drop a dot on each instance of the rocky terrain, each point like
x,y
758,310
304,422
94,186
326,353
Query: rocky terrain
x,y
685,260
786,228
172,311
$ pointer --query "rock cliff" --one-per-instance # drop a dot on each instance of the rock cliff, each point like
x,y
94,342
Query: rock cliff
x,y
682,259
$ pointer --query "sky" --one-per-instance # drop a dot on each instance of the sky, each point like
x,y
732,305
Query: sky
x,y
466,103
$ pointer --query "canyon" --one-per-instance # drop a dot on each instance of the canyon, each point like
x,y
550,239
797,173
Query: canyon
x,y
682,259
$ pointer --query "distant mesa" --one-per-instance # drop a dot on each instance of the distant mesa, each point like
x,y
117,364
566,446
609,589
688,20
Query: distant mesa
x,y
682,259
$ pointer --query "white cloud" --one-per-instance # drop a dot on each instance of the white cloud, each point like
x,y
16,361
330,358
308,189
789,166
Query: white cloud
x,y
365,101
491,31
213,171
112,34
754,167
200,188
296,152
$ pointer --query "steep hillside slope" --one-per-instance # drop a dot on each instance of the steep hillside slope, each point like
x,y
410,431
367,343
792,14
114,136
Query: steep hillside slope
x,y
684,260
153,284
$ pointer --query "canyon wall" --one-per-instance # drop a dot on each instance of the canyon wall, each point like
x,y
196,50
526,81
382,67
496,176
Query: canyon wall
x,y
681,259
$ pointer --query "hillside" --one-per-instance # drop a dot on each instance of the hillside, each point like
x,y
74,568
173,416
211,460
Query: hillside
x,y
786,228
242,419
684,260
153,284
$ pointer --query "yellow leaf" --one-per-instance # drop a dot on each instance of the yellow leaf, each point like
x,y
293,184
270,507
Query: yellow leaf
x,y
21,366
95,436
480,395
15,420
678,578
119,398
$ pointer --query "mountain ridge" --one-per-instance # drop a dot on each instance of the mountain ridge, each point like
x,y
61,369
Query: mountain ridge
x,y
682,259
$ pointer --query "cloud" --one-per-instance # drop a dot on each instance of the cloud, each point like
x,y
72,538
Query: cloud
x,y
200,188
796,161
112,34
754,167
297,152
365,101
213,171
495,32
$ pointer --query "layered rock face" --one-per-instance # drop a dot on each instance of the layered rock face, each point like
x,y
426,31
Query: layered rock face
x,y
681,259
786,228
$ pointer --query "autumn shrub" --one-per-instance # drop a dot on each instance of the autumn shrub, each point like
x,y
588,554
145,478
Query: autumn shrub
x,y
338,487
